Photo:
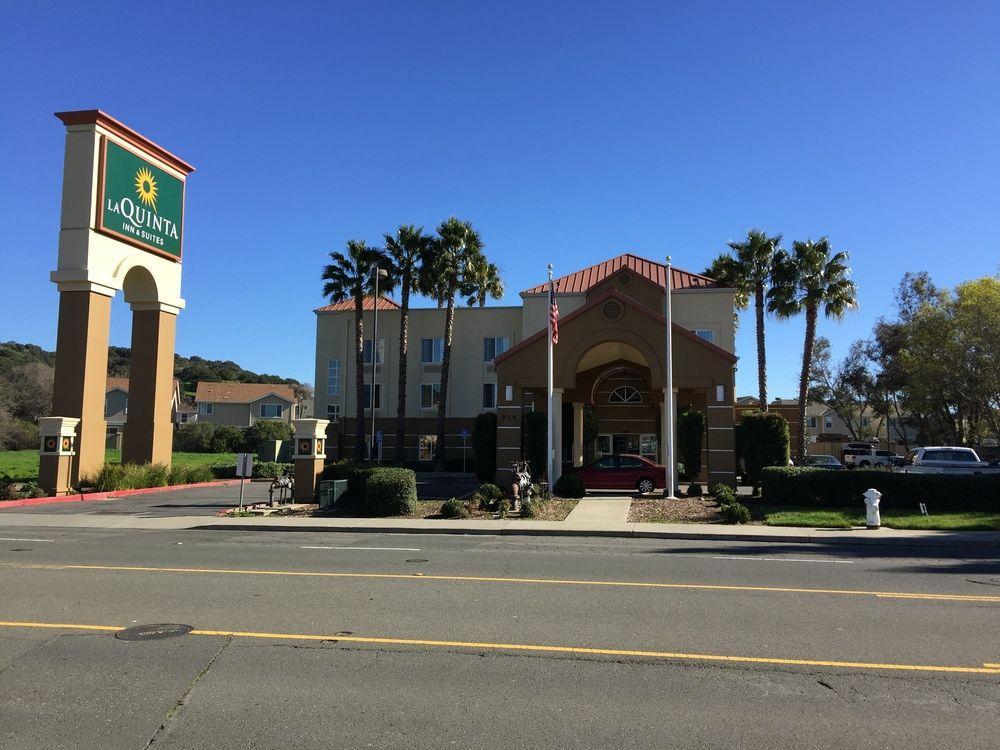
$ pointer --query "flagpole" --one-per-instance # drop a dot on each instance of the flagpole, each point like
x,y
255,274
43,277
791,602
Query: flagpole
x,y
668,391
550,448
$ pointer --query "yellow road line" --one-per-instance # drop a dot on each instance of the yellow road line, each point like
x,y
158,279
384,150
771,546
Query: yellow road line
x,y
546,581
534,648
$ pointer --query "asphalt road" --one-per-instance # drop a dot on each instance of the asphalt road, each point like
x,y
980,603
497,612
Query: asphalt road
x,y
350,640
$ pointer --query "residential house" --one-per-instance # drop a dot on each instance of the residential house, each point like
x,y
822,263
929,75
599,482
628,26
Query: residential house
x,y
243,404
116,408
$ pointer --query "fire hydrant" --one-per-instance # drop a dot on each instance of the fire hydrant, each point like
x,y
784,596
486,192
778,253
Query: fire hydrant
x,y
872,498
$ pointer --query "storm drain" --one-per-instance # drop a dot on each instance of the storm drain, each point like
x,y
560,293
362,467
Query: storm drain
x,y
155,632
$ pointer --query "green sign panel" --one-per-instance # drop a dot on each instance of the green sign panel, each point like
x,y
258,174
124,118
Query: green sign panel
x,y
140,203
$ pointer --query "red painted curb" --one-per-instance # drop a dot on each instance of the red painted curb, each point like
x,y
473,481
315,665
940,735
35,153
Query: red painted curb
x,y
110,495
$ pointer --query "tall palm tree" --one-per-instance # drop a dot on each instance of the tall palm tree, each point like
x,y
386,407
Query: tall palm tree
x,y
748,271
457,251
484,281
809,278
408,251
350,277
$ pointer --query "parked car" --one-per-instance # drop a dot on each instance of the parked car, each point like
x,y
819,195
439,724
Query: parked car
x,y
854,454
623,472
945,460
822,461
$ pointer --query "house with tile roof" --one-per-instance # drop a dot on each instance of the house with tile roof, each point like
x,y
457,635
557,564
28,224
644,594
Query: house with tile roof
x,y
243,404
609,359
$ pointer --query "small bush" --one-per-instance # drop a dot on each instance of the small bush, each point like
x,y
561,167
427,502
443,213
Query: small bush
x,y
736,513
390,492
503,507
568,485
190,474
114,477
694,490
264,429
454,508
536,490
479,501
724,494
490,491
7,491
356,475
529,510
272,469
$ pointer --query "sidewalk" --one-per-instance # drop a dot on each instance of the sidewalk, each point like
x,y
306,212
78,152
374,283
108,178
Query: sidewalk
x,y
717,532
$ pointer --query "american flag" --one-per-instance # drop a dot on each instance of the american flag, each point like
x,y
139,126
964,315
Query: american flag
x,y
553,313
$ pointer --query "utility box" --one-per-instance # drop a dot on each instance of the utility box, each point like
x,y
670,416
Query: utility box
x,y
330,493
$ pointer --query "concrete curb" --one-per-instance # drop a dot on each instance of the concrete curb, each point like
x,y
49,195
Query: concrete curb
x,y
112,495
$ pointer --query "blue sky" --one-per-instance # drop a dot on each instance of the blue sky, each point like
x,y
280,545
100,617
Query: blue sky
x,y
567,132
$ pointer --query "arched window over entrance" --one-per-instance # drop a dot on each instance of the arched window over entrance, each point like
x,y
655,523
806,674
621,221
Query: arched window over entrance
x,y
625,394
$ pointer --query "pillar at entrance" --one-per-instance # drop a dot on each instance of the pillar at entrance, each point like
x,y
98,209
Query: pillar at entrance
x,y
577,434
310,444
55,460
149,430
557,394
81,374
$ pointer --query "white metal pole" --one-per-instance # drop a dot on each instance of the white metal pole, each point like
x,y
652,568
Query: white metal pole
x,y
668,491
550,453
371,445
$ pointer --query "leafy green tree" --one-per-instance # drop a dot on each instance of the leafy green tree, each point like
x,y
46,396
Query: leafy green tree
x,y
810,278
351,277
748,270
849,387
457,251
408,252
484,281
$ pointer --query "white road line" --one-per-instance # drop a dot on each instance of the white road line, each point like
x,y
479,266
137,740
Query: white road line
x,y
373,549
778,559
18,539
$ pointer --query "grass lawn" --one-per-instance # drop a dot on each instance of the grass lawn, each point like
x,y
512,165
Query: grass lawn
x,y
843,518
22,466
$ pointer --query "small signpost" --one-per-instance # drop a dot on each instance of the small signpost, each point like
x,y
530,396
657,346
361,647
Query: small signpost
x,y
244,469
465,436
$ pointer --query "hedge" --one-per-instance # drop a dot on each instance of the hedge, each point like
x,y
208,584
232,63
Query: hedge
x,y
484,446
261,470
568,485
534,433
356,476
764,442
825,488
390,491
690,430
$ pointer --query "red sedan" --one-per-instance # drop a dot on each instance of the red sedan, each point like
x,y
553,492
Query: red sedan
x,y
623,472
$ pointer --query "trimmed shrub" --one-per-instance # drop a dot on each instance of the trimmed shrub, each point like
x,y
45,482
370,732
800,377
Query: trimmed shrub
x,y
484,446
490,492
824,488
530,510
356,476
454,508
503,507
390,491
272,469
764,443
690,432
536,490
534,433
694,490
479,501
724,494
736,513
568,485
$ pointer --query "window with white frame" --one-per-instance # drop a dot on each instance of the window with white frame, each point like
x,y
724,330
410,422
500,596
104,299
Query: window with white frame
x,y
333,412
380,351
425,447
866,422
183,417
705,333
431,351
812,423
430,395
270,411
378,396
333,377
489,395
206,409
625,394
494,346
828,423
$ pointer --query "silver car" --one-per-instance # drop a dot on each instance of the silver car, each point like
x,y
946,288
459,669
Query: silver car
x,y
944,460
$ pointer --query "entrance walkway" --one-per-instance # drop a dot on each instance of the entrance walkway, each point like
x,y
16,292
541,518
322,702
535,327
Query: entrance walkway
x,y
600,510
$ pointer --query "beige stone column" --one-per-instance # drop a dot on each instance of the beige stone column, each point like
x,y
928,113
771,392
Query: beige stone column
x,y
55,459
577,433
149,430
308,455
81,374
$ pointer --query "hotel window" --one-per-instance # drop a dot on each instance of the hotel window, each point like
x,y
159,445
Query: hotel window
x,y
494,346
380,351
378,396
333,412
430,395
625,394
425,447
706,333
206,409
270,411
489,395
333,377
431,350
828,423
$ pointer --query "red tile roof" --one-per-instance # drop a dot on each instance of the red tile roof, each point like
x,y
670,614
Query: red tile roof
x,y
122,384
581,281
384,303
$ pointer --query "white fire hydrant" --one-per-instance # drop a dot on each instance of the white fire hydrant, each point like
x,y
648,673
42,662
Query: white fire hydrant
x,y
872,497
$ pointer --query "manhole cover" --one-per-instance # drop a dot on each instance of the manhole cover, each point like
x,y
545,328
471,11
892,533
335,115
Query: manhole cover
x,y
416,560
153,632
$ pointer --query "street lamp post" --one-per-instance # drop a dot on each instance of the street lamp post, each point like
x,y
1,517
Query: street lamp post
x,y
378,273
668,391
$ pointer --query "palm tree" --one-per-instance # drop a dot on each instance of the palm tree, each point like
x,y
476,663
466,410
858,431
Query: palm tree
x,y
457,252
350,276
811,277
484,281
748,271
408,252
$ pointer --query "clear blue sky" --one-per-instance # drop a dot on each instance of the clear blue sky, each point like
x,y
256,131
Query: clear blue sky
x,y
567,132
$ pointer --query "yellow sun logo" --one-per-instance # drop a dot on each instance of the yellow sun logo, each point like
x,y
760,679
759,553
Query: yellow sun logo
x,y
145,187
